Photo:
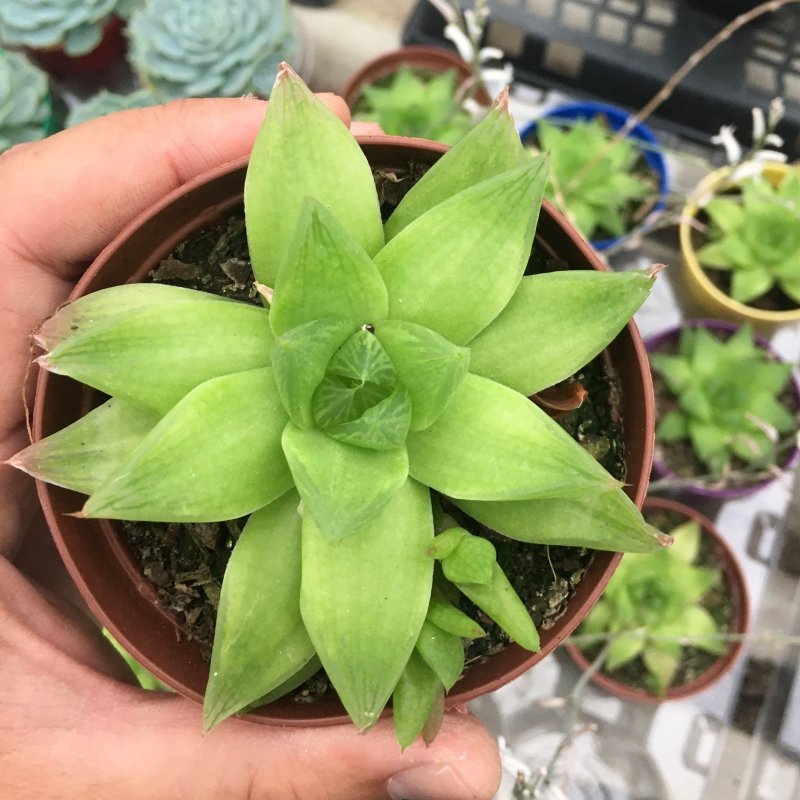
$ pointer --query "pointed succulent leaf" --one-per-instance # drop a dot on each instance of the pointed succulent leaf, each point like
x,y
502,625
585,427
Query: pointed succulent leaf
x,y
435,269
702,630
489,149
342,486
182,471
430,367
472,561
326,273
686,547
311,668
499,600
445,543
291,159
300,357
364,599
623,649
580,310
443,653
435,719
152,358
259,612
599,520
83,455
673,425
95,309
491,443
413,699
443,614
662,665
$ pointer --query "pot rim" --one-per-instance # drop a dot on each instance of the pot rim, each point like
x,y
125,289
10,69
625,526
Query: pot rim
x,y
511,663
735,579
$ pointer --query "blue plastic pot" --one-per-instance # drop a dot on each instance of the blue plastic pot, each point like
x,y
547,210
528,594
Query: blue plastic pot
x,y
616,117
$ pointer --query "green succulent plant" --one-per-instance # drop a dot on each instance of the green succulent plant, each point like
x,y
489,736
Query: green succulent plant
x,y
727,393
392,360
590,179
75,25
25,112
651,602
207,48
107,103
409,104
755,236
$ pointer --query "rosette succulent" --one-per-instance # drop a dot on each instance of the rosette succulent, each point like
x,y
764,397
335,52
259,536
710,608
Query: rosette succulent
x,y
392,361
727,395
755,237
75,25
25,112
591,180
201,48
108,102
654,601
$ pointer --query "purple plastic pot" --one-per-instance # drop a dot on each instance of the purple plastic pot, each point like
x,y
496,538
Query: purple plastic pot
x,y
670,336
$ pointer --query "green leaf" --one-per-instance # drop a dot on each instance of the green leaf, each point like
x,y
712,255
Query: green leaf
x,y
364,599
311,668
580,310
455,268
489,149
303,149
442,652
326,274
182,471
152,358
673,425
502,604
472,561
260,641
605,520
413,699
727,215
702,630
623,649
430,367
83,455
446,542
749,284
687,541
662,665
491,443
675,370
443,614
715,254
342,486
300,358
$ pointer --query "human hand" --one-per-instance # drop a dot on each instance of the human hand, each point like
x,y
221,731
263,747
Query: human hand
x,y
70,727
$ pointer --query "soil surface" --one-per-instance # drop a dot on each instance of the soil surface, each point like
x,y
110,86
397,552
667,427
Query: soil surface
x,y
186,562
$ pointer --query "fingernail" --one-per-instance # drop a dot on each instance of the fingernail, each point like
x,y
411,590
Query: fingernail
x,y
429,782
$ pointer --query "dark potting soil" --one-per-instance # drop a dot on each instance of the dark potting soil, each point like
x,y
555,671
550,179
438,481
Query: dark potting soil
x,y
717,601
679,457
186,562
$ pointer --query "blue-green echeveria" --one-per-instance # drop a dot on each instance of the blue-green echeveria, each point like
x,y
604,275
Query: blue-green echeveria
x,y
202,48
393,360
24,101
75,25
107,103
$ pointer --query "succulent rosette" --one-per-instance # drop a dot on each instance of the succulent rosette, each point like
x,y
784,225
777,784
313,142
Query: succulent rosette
x,y
75,25
392,365
105,102
25,112
194,48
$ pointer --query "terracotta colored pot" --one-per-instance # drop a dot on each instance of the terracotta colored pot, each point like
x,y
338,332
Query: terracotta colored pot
x,y
94,551
670,338
428,59
712,300
55,61
740,602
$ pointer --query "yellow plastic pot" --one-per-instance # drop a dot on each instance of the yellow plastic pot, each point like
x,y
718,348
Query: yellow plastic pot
x,y
713,301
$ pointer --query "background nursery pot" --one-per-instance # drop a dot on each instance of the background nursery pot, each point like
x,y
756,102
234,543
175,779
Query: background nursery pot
x,y
740,602
616,119
93,550
668,339
709,297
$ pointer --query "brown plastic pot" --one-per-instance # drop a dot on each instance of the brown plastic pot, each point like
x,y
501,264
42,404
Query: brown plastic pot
x,y
424,59
94,551
740,601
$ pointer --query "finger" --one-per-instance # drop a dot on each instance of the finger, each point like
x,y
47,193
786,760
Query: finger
x,y
65,198
366,129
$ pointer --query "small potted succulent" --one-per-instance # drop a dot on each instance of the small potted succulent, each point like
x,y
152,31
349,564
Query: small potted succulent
x,y
181,48
356,427
606,187
727,409
430,92
669,624
66,37
25,105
